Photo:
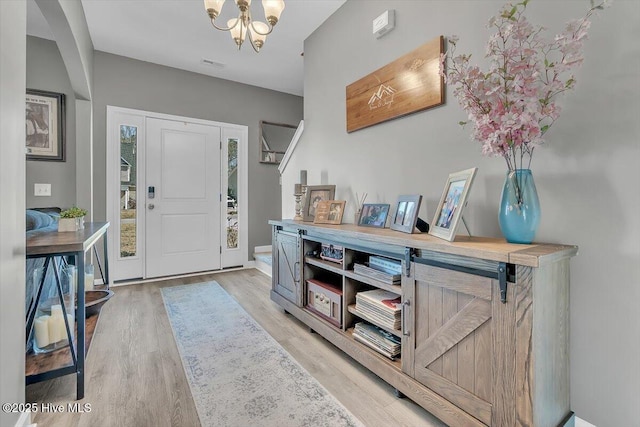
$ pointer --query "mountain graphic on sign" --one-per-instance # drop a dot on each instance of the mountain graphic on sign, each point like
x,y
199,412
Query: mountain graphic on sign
x,y
381,97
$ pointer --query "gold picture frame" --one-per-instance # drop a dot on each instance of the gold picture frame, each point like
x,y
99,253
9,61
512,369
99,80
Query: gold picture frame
x,y
330,212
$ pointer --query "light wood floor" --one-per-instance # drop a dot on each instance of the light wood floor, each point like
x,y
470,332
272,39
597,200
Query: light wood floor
x,y
134,376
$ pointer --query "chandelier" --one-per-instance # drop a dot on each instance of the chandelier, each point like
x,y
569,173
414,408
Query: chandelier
x,y
238,27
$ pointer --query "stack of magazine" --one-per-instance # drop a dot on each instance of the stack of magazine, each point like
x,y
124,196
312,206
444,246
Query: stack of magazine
x,y
381,341
380,268
382,307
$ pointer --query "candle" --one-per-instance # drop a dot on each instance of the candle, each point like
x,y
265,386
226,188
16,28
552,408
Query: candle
x,y
57,331
41,327
88,282
298,189
303,177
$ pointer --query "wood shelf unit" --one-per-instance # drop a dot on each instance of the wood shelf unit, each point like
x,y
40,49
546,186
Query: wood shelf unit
x,y
484,336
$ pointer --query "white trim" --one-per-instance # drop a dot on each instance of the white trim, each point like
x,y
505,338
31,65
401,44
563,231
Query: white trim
x,y
582,423
291,148
262,249
162,116
250,265
243,177
24,420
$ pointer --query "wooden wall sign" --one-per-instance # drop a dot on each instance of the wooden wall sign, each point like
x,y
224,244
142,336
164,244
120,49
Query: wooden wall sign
x,y
409,84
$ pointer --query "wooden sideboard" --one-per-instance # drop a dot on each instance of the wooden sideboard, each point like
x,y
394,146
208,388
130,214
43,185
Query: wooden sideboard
x,y
485,323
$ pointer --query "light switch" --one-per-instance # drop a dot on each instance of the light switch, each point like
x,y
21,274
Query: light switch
x,y
42,189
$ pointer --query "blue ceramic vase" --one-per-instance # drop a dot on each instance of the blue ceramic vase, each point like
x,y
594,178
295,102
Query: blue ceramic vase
x,y
519,207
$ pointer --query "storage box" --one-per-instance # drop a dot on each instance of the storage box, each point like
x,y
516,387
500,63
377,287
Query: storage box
x,y
332,253
325,300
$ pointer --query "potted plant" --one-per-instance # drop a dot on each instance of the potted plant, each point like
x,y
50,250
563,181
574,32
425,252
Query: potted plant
x,y
71,219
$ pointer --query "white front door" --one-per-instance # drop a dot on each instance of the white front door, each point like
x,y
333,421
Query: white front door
x,y
182,197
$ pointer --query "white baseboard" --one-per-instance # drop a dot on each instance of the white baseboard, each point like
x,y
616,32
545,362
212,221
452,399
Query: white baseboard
x,y
24,420
582,423
260,249
247,265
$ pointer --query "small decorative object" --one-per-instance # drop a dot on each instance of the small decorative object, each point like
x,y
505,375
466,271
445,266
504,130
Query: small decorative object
x,y
513,103
314,195
297,193
334,253
359,203
71,219
374,215
330,212
45,125
406,213
404,86
453,200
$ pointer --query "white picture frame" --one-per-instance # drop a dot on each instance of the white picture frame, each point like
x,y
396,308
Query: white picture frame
x,y
452,202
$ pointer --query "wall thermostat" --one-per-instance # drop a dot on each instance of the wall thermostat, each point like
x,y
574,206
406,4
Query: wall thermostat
x,y
384,23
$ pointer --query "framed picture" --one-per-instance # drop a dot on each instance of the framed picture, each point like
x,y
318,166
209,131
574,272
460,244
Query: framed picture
x,y
406,214
330,212
316,194
45,123
373,215
453,200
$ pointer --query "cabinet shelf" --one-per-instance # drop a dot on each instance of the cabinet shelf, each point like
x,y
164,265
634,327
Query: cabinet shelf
x,y
352,309
36,364
326,265
396,289
395,363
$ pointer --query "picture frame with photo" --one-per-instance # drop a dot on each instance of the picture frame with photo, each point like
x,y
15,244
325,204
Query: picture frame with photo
x,y
374,215
452,202
330,212
45,125
406,213
314,195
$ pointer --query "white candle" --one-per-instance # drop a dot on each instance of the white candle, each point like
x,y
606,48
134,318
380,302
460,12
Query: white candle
x,y
57,331
41,326
303,177
88,281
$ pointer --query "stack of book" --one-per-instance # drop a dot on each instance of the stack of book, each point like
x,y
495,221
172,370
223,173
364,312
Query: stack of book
x,y
381,341
383,269
382,307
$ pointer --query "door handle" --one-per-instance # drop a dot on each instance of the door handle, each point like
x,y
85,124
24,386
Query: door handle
x,y
151,206
403,322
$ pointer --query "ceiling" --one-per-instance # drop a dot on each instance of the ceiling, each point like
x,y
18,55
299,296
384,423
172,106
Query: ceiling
x,y
178,33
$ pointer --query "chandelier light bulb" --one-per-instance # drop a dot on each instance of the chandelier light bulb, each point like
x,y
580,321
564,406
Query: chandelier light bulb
x,y
238,27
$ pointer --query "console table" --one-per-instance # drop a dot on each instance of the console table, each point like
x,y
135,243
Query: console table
x,y
483,324
50,244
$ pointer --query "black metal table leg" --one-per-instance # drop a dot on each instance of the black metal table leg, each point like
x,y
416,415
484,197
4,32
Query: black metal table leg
x,y
80,321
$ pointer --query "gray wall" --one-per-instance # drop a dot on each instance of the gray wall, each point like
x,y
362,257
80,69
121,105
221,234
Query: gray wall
x,y
125,82
587,174
46,71
13,21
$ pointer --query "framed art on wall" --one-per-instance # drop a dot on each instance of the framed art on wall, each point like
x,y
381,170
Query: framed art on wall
x,y
45,125
406,214
316,194
374,215
452,202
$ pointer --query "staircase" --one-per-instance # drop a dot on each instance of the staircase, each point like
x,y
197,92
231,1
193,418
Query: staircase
x,y
263,262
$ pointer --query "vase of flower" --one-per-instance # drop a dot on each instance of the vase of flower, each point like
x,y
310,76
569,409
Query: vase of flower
x,y
519,214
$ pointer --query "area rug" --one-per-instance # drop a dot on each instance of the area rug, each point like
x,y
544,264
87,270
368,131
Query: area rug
x,y
238,374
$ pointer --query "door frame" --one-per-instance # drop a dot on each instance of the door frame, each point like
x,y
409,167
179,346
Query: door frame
x,y
113,177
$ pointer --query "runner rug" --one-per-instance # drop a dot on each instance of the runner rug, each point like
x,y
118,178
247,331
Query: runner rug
x,y
238,374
